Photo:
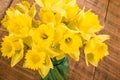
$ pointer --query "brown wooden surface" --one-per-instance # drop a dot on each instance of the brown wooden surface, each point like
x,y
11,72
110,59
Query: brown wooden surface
x,y
108,68
4,4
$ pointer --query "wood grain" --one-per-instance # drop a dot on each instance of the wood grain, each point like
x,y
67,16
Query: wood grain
x,y
109,68
79,70
4,4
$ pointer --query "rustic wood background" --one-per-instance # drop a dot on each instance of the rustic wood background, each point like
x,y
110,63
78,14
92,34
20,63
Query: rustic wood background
x,y
108,68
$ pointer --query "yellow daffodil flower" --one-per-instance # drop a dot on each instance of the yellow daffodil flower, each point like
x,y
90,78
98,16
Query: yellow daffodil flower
x,y
70,44
21,8
43,35
95,49
12,47
34,59
20,25
90,23
38,61
74,23
8,48
10,13
47,16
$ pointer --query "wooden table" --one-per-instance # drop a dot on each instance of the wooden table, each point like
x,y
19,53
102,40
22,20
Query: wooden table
x,y
108,68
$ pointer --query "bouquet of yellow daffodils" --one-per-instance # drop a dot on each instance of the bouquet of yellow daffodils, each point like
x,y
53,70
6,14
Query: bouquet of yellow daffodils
x,y
62,29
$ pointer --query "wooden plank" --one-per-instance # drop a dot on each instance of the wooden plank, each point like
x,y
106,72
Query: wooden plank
x,y
8,73
81,3
4,4
109,69
79,70
2,32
